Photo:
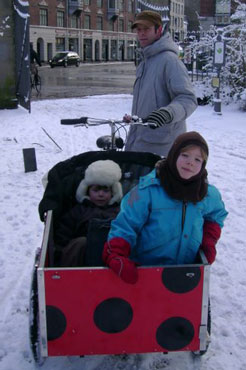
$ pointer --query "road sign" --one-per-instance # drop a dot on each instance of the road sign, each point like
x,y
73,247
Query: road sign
x,y
219,53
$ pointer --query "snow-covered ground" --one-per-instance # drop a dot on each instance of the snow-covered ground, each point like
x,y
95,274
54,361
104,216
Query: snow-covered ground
x,y
21,230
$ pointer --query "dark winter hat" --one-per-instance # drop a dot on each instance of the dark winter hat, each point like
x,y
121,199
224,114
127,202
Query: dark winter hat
x,y
147,18
193,189
183,140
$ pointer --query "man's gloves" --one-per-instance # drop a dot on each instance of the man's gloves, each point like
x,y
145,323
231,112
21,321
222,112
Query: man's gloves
x,y
115,255
159,117
211,234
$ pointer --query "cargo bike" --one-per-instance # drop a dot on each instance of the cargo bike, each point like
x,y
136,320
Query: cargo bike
x,y
78,311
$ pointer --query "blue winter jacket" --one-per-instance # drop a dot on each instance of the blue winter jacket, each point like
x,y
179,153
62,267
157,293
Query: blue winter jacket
x,y
160,229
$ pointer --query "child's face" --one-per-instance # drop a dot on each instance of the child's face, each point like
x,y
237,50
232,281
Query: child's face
x,y
100,195
189,162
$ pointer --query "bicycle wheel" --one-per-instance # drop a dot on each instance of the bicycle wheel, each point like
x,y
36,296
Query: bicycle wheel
x,y
38,83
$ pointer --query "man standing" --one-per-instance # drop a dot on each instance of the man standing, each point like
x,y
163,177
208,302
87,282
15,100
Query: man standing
x,y
162,92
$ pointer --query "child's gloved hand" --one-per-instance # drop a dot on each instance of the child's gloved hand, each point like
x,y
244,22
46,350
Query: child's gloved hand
x,y
115,255
211,234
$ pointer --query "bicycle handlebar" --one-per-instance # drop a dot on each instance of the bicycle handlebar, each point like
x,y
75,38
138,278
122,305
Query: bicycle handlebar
x,y
74,121
88,121
112,141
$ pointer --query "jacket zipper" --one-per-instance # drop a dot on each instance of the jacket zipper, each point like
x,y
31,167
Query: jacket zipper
x,y
140,83
184,206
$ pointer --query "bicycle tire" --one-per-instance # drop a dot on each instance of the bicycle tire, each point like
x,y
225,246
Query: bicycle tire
x,y
38,84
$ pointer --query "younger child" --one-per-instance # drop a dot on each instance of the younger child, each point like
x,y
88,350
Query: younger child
x,y
170,214
99,195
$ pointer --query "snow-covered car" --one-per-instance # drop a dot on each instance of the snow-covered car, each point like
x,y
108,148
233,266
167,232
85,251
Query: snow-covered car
x,y
65,58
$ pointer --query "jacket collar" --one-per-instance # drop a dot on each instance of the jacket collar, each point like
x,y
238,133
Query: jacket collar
x,y
164,43
149,180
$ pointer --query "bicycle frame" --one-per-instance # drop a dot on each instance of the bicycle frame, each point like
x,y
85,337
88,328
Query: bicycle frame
x,y
35,81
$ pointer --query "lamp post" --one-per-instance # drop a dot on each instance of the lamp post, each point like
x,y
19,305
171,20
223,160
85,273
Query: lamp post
x,y
218,62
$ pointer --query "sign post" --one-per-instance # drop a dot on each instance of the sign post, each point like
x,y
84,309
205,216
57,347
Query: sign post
x,y
219,61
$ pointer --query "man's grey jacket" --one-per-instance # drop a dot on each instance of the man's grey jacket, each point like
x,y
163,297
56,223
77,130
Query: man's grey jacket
x,y
162,81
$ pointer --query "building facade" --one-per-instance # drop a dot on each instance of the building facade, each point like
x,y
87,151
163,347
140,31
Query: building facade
x,y
98,30
177,26
202,14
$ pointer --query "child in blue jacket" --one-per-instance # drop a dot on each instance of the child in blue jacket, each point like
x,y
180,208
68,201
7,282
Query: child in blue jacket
x,y
169,215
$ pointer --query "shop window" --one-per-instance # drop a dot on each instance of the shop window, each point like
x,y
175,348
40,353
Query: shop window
x,y
60,44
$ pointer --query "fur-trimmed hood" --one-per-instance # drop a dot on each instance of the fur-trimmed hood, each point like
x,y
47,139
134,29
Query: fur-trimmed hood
x,y
105,173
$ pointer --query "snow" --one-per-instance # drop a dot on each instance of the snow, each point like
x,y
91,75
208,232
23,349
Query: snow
x,y
21,230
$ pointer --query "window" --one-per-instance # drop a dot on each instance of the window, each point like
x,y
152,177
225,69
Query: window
x,y
121,25
87,24
74,21
99,23
60,44
110,25
60,18
130,6
219,20
121,5
87,2
129,26
111,4
113,49
99,3
43,14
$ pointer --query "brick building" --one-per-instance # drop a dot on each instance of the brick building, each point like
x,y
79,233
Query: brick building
x,y
201,14
98,30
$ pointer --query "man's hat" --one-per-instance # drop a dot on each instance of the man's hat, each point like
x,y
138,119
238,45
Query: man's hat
x,y
148,18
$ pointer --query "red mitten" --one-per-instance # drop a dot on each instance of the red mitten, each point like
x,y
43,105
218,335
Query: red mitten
x,y
211,234
115,255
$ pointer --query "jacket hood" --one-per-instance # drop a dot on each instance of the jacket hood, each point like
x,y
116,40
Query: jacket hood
x,y
165,43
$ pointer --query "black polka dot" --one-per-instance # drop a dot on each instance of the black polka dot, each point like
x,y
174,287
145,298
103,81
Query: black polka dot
x,y
56,322
113,315
181,279
175,333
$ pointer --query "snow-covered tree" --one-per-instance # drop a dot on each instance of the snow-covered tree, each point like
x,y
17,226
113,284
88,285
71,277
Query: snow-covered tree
x,y
235,67
233,73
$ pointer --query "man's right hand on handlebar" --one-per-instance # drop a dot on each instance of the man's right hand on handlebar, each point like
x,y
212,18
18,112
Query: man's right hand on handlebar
x,y
127,118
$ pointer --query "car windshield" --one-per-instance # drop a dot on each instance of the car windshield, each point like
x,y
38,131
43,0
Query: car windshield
x,y
60,55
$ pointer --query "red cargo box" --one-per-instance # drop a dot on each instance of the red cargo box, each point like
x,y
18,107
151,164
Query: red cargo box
x,y
87,311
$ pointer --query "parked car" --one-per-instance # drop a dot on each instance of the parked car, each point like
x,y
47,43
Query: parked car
x,y
65,58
